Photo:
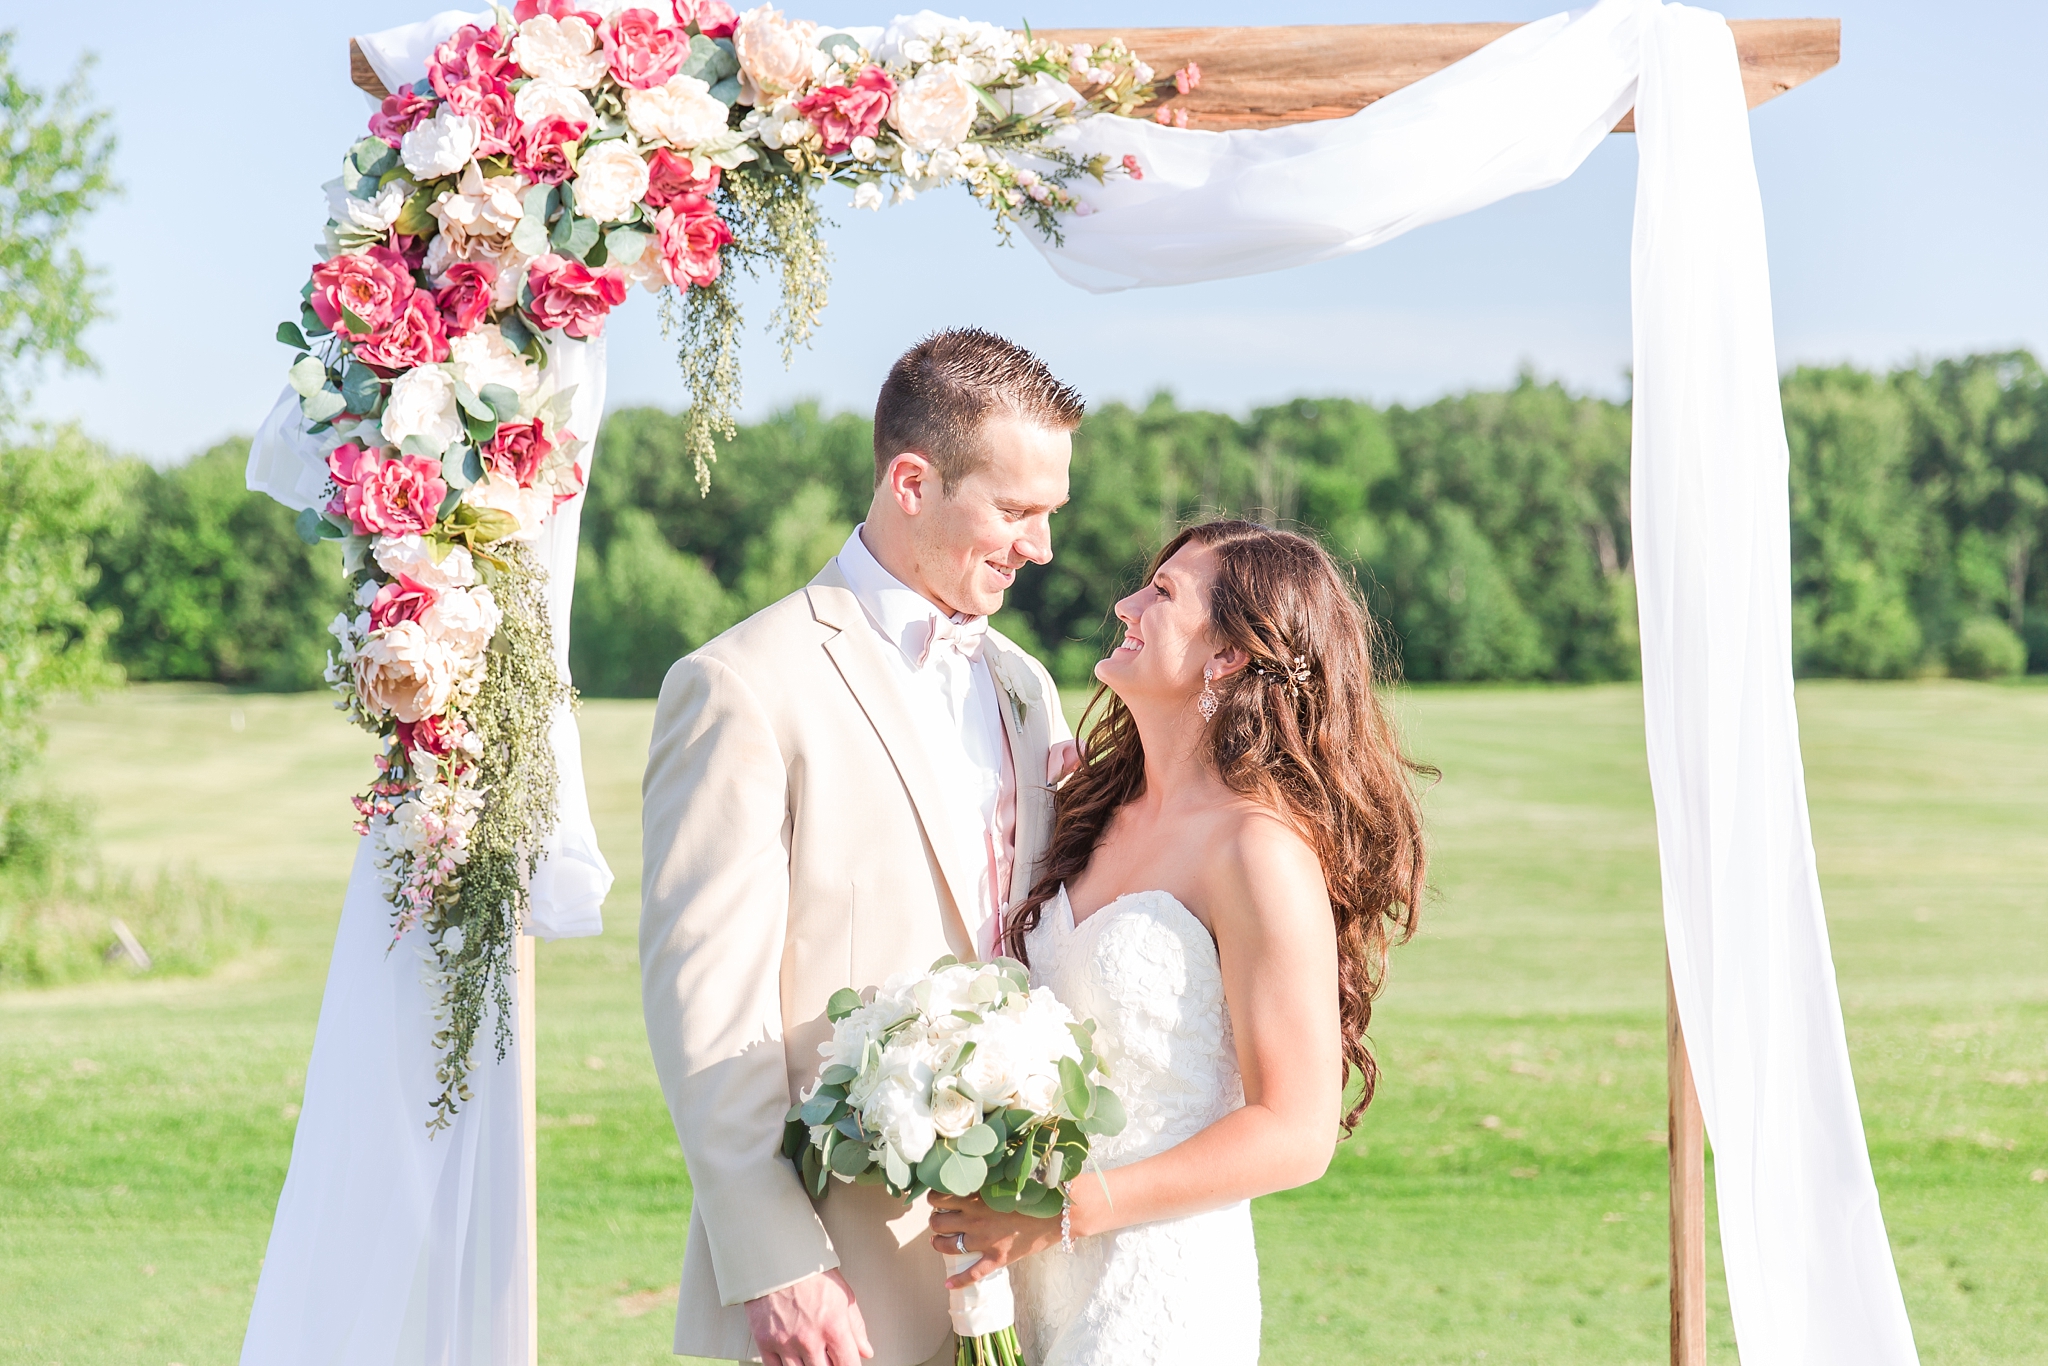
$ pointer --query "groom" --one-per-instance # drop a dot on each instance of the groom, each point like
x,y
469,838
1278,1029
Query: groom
x,y
851,783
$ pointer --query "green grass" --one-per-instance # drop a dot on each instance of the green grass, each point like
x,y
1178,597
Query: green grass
x,y
1503,1201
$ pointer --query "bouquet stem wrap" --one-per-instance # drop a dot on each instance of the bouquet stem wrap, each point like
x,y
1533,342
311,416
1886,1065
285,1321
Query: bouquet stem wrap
x,y
984,1308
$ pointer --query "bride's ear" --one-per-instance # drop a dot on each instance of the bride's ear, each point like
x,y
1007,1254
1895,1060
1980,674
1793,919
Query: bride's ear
x,y
1227,661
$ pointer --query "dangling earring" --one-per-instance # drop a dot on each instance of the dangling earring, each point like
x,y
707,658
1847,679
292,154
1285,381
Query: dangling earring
x,y
1208,701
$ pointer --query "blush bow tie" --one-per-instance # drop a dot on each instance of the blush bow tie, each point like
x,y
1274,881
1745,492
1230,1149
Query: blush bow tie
x,y
963,637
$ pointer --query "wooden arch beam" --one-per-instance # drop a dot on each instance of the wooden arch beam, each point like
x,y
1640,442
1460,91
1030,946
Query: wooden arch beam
x,y
1266,77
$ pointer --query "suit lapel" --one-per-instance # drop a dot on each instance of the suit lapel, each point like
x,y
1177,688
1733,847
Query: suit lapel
x,y
859,655
1029,739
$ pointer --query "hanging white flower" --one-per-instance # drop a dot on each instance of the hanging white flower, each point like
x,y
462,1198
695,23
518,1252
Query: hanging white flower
x,y
439,146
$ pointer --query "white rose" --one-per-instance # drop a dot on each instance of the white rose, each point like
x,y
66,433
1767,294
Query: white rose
x,y
565,51
862,148
681,113
413,556
401,672
484,357
375,214
916,51
954,1113
1039,1094
538,100
423,405
439,146
867,195
462,619
528,507
934,110
610,178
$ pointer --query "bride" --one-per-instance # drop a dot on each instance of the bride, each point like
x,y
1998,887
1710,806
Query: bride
x,y
1227,871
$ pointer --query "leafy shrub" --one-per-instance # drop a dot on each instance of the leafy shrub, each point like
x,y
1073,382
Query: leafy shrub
x,y
1986,647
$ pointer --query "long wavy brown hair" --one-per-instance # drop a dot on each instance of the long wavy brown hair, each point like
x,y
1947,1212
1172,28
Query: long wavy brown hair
x,y
1302,730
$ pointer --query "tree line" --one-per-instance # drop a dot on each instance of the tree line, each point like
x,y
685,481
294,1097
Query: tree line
x,y
1489,531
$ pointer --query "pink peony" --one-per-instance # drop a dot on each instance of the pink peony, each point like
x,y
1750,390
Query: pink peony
x,y
547,149
385,497
644,52
555,9
690,234
403,599
414,337
488,100
368,284
465,298
713,18
670,177
570,295
429,733
517,451
471,58
401,109
842,113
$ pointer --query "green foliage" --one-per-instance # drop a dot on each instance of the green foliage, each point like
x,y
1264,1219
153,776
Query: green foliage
x,y
1985,647
55,168
211,582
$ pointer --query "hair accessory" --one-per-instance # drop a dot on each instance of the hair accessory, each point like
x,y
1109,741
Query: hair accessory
x,y
1297,674
1208,701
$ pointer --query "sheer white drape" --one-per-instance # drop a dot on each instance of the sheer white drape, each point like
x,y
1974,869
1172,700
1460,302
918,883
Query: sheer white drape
x,y
1810,1274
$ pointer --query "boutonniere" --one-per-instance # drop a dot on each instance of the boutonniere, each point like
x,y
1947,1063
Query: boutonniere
x,y
1020,702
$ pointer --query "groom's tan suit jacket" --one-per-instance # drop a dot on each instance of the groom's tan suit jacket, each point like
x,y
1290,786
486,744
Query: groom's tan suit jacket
x,y
796,841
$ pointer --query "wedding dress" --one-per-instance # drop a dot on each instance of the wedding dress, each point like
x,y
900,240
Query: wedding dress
x,y
1180,1291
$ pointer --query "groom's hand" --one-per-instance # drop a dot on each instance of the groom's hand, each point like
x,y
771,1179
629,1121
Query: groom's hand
x,y
812,1323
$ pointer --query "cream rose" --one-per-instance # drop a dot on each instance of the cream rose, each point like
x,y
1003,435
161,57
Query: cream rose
x,y
484,357
478,215
778,56
611,177
403,673
953,1113
414,557
935,110
681,114
538,100
464,620
565,51
423,405
440,146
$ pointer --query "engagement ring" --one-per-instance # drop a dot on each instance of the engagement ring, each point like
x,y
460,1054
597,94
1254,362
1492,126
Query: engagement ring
x,y
959,1244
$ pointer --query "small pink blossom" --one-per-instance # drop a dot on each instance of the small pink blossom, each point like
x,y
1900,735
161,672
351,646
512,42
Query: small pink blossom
x,y
670,177
1187,78
465,297
471,57
643,51
570,295
517,451
842,113
370,285
691,234
547,149
385,497
401,109
1168,117
1132,168
403,599
414,337
713,18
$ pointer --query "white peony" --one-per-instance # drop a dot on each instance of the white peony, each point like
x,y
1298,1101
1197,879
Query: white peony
x,y
954,1113
528,507
423,405
439,146
485,357
682,113
375,214
414,557
935,109
477,216
611,177
565,51
778,56
897,1113
402,672
463,619
538,100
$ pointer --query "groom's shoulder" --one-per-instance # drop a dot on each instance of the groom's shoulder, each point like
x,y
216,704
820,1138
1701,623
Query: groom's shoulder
x,y
763,649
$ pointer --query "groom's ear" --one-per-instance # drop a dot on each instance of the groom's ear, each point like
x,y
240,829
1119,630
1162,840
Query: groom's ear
x,y
911,481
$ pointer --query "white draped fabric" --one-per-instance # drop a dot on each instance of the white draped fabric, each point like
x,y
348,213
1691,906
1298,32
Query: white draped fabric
x,y
1810,1274
390,1247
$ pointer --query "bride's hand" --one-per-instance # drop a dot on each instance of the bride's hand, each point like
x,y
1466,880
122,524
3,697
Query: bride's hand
x,y
1000,1238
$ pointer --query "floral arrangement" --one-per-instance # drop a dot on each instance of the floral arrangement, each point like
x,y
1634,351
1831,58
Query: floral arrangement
x,y
964,1080
498,210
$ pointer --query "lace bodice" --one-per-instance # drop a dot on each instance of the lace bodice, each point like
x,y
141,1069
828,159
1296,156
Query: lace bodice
x,y
1186,1290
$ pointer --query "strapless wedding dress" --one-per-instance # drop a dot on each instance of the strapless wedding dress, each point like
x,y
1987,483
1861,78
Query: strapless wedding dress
x,y
1177,1292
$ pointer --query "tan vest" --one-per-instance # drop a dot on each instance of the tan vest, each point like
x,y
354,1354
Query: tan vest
x,y
795,841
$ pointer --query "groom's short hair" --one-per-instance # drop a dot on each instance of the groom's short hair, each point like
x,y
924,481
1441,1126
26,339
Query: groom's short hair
x,y
940,392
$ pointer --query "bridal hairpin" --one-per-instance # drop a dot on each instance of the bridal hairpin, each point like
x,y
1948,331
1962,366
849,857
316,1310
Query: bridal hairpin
x,y
1297,674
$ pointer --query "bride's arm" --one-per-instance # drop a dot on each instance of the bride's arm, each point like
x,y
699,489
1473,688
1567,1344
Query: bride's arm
x,y
1270,913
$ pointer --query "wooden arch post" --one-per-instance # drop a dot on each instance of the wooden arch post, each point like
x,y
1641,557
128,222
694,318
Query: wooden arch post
x,y
1269,77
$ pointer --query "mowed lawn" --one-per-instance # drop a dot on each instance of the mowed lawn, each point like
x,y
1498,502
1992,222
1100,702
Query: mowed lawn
x,y
1502,1202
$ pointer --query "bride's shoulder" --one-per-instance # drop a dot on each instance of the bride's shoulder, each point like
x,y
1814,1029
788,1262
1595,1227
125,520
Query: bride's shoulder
x,y
1258,860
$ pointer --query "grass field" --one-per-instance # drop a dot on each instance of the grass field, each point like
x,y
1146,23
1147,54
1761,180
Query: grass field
x,y
1503,1201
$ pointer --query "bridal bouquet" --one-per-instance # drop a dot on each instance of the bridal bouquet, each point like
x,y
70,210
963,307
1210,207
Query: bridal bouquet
x,y
963,1080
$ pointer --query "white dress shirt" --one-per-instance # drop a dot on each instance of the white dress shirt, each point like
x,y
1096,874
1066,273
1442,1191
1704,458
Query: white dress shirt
x,y
958,705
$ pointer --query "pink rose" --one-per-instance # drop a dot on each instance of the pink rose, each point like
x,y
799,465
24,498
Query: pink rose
x,y
386,497
368,284
547,149
471,57
555,9
401,109
713,18
429,733
517,451
643,51
842,113
465,299
413,337
488,100
670,177
403,599
570,295
690,234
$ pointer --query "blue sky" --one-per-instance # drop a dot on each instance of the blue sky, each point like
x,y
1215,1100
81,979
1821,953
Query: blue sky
x,y
1905,191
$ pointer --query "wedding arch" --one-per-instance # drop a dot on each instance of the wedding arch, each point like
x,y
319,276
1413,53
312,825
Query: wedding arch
x,y
439,439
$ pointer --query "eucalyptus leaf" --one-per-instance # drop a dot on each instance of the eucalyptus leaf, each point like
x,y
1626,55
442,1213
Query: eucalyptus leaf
x,y
1107,1116
291,336
818,1109
373,156
452,467
979,1141
1074,1088
502,400
449,503
895,1167
574,236
814,1171
838,1073
928,1169
466,399
421,447
307,376
727,91
530,234
361,387
310,324
516,333
481,429
961,1174
565,196
308,525
849,1158
627,245
354,324
843,1003
415,217
322,405
795,1133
